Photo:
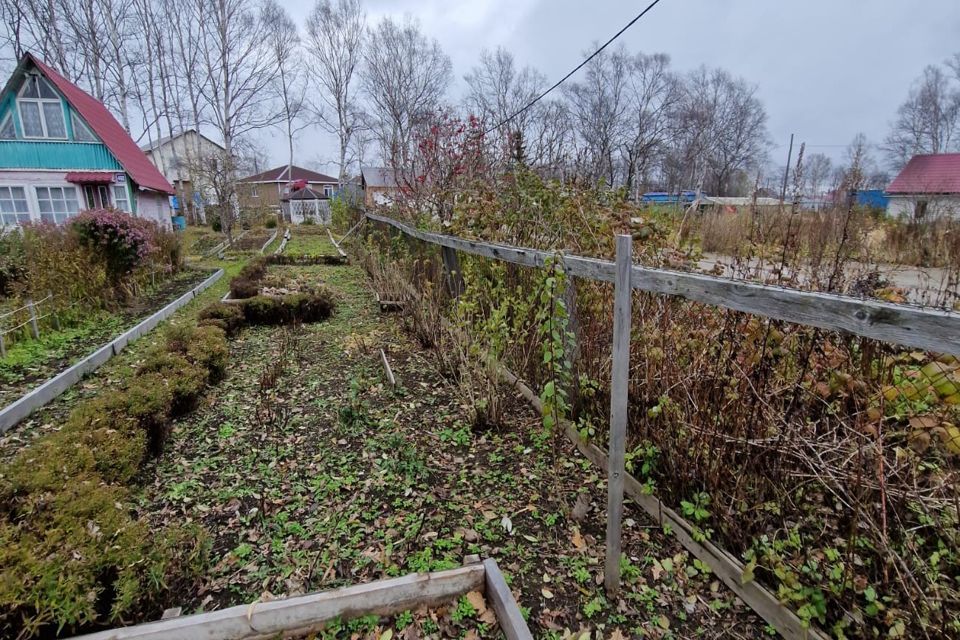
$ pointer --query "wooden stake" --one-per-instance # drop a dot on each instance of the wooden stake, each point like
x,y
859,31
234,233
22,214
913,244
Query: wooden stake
x,y
386,366
3,346
451,265
34,326
619,386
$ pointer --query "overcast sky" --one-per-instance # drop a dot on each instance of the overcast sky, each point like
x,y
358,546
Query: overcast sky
x,y
824,69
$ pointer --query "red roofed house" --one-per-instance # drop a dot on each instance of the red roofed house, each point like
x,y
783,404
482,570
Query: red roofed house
x,y
268,188
927,188
61,151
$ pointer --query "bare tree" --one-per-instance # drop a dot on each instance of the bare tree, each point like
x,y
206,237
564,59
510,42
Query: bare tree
x,y
284,43
239,71
652,93
818,170
927,122
598,105
336,33
405,77
497,90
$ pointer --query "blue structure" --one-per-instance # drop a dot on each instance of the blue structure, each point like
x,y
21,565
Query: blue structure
x,y
871,198
662,197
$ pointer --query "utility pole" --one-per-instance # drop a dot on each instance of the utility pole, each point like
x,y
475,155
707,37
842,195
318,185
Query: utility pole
x,y
786,173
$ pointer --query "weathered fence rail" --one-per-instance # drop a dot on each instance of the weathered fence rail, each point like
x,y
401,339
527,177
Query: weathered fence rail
x,y
904,325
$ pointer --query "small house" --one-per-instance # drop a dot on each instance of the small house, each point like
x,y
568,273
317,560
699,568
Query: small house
x,y
927,188
265,190
181,159
379,185
61,151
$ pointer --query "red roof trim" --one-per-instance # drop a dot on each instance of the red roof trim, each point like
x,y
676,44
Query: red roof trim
x,y
91,177
99,118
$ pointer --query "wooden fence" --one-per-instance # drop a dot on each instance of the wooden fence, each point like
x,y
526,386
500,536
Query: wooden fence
x,y
909,326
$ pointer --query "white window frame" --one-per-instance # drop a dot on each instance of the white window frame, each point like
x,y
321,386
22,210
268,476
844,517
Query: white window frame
x,y
80,125
66,214
122,188
328,190
26,198
39,101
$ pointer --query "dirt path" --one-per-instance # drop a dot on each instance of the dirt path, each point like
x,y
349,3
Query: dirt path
x,y
331,477
927,286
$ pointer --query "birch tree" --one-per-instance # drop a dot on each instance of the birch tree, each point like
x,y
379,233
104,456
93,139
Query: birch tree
x,y
336,36
284,44
405,77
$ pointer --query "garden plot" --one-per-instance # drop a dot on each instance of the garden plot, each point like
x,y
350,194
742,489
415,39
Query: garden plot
x,y
31,362
310,472
310,241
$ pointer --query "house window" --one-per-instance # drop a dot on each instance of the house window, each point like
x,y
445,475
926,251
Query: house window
x,y
96,196
57,203
327,190
254,192
81,132
920,210
41,113
120,200
7,130
13,206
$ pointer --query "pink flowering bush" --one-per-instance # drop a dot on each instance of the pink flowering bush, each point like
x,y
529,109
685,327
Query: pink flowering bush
x,y
123,241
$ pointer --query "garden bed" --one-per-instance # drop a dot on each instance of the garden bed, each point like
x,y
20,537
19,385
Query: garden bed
x,y
310,241
32,362
331,477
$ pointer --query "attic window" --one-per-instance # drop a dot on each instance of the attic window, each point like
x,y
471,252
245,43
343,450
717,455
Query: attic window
x,y
7,130
81,132
41,113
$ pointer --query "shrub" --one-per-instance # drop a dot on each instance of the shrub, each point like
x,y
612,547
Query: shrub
x,y
271,222
241,288
12,267
312,307
227,317
124,241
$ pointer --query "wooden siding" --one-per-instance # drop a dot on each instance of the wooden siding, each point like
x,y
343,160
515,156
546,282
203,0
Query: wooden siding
x,y
35,154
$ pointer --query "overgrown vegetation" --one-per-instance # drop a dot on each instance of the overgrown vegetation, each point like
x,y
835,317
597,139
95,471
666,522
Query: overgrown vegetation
x,y
826,461
74,553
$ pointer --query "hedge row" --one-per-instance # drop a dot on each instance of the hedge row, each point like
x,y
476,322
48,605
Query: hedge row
x,y
268,310
73,552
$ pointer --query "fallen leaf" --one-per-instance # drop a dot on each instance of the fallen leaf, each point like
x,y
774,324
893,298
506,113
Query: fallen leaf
x,y
547,593
577,539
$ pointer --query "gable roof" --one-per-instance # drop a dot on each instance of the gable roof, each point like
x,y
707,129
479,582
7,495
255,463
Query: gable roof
x,y
306,193
378,177
150,146
281,174
106,127
931,173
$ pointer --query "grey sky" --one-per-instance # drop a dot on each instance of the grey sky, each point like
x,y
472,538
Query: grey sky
x,y
825,69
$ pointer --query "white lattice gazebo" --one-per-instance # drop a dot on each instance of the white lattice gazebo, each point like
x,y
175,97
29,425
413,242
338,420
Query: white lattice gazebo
x,y
306,204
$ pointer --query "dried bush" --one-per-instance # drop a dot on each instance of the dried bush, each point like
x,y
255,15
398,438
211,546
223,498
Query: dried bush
x,y
228,317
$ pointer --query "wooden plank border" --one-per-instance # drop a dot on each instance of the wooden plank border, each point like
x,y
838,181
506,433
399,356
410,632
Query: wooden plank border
x,y
910,326
16,411
305,614
511,621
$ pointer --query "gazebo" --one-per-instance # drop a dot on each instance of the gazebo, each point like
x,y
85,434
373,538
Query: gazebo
x,y
306,204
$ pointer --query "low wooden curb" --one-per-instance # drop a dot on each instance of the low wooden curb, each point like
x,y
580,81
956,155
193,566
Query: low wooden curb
x,y
16,411
271,239
302,615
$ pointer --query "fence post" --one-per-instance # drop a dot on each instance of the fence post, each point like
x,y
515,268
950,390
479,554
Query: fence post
x,y
56,316
619,387
34,327
451,265
3,346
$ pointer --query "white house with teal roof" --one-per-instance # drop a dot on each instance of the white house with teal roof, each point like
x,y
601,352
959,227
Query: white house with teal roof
x,y
62,151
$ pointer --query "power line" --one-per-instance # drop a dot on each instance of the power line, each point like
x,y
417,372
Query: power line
x,y
577,68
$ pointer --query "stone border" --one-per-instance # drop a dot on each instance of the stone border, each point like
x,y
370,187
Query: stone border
x,y
16,411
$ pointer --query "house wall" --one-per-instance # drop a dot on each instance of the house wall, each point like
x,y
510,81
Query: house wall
x,y
147,204
904,206
373,196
